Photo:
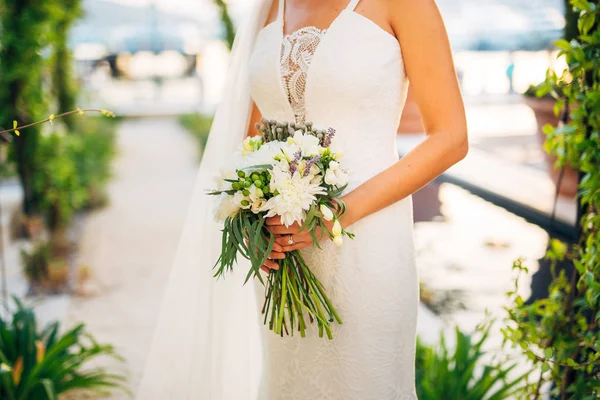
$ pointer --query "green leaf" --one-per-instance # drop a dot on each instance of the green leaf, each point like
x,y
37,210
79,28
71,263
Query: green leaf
x,y
548,352
563,44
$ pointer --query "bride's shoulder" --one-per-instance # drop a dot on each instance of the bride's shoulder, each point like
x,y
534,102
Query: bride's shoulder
x,y
411,15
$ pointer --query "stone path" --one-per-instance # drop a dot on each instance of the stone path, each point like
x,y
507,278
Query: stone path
x,y
130,244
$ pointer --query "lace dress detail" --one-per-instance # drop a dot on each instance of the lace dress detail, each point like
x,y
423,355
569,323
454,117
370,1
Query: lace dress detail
x,y
297,50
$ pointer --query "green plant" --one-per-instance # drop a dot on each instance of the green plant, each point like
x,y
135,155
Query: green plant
x,y
226,22
43,365
199,126
64,86
95,152
36,264
560,334
25,30
58,179
463,373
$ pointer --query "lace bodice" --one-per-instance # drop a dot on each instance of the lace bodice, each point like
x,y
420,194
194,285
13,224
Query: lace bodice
x,y
297,50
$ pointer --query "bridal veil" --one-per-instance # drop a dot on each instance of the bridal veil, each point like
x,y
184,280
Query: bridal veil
x,y
206,344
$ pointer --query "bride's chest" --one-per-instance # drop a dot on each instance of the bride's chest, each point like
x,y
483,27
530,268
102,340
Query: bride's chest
x,y
354,61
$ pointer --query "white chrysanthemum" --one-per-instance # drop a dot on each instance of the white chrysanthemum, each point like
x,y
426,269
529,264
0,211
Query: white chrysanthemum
x,y
226,207
295,196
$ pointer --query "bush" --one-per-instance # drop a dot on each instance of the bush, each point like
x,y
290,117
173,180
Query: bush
x,y
454,375
43,365
199,126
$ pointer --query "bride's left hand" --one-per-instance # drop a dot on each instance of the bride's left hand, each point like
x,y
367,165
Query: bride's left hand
x,y
301,239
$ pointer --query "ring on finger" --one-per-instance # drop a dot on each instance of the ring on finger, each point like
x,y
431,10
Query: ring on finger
x,y
291,240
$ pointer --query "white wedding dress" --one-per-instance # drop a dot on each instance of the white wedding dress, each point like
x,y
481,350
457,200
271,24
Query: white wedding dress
x,y
350,77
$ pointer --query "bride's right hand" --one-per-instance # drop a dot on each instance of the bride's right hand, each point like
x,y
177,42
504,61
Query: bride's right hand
x,y
276,254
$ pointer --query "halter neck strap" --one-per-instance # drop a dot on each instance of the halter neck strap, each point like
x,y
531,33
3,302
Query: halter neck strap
x,y
351,6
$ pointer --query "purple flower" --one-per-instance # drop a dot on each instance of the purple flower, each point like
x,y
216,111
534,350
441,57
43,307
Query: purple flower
x,y
310,163
328,136
294,162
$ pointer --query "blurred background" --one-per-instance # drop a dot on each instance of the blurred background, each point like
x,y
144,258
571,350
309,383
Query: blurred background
x,y
92,206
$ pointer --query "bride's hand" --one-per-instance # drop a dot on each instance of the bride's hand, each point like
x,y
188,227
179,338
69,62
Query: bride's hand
x,y
299,240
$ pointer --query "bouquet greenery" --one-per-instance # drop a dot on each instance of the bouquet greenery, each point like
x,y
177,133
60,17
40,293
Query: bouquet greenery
x,y
289,171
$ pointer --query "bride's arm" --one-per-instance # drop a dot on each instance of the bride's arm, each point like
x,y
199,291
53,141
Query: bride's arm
x,y
428,60
255,117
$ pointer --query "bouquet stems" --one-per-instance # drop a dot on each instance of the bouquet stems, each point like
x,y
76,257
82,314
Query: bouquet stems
x,y
293,290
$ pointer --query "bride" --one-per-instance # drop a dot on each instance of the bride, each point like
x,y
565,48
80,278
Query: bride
x,y
339,63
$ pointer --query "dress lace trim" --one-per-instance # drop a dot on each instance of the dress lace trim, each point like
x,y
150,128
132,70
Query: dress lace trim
x,y
297,51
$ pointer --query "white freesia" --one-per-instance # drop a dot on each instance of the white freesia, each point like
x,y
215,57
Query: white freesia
x,y
327,213
227,207
309,144
295,196
338,240
337,228
335,176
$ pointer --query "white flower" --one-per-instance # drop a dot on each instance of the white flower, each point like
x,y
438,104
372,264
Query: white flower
x,y
241,201
226,207
335,176
251,144
257,205
263,156
309,144
337,228
327,213
255,193
338,240
295,196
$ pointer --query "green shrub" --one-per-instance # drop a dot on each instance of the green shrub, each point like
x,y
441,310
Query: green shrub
x,y
462,373
58,180
560,333
43,365
199,126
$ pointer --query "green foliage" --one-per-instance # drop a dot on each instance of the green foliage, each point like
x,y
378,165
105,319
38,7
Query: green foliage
x,y
36,263
560,334
43,365
25,31
226,22
63,85
58,181
199,126
464,373
74,168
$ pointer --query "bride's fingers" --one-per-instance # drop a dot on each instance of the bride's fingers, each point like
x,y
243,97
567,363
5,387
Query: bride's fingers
x,y
277,255
297,246
270,264
284,240
284,230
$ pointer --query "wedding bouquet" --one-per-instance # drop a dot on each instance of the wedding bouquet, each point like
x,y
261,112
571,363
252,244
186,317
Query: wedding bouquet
x,y
288,171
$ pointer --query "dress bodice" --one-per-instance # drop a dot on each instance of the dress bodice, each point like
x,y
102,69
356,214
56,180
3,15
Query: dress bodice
x,y
350,77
